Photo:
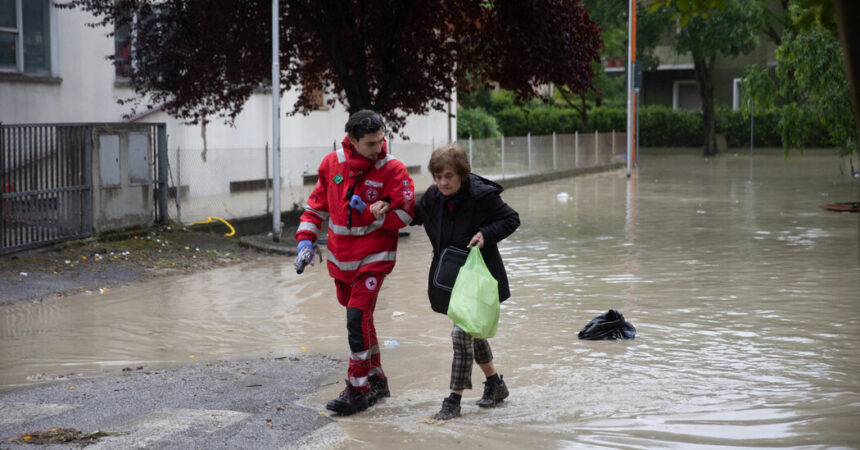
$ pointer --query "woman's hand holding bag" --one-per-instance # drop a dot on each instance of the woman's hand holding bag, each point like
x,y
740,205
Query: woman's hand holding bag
x,y
474,305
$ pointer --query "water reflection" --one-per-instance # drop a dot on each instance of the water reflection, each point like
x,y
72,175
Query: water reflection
x,y
744,295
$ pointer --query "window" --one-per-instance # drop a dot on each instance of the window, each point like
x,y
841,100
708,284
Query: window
x,y
125,35
685,95
317,99
737,93
24,36
122,50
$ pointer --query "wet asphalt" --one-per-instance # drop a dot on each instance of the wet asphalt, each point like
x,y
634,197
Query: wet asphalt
x,y
227,404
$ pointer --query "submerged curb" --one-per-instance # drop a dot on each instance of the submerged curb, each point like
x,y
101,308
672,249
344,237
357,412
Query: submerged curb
x,y
264,243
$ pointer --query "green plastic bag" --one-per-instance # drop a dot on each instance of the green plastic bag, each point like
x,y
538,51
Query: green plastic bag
x,y
474,304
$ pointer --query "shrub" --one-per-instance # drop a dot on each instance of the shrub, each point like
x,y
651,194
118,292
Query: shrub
x,y
501,100
512,121
660,126
605,119
476,123
546,120
736,127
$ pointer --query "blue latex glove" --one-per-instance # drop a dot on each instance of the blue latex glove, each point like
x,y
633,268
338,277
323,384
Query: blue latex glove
x,y
305,243
357,203
305,256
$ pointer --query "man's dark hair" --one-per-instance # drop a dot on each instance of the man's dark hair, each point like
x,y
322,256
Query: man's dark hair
x,y
364,122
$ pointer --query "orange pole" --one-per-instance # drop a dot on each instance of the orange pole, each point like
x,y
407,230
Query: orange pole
x,y
633,57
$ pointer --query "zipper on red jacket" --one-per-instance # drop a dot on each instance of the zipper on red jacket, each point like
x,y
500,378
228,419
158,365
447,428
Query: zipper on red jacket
x,y
349,193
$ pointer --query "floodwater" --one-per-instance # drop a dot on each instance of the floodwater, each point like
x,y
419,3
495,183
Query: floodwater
x,y
744,292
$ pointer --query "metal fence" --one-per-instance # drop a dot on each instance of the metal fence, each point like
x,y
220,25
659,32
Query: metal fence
x,y
46,172
507,157
235,183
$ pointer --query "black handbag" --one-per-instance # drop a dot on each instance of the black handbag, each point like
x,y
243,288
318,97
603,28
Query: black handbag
x,y
450,261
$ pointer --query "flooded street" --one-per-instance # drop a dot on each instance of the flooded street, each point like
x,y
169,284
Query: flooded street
x,y
744,292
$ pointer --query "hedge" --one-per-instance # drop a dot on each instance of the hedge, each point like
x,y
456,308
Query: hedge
x,y
659,126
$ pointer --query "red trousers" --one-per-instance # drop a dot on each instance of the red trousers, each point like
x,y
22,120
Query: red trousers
x,y
359,298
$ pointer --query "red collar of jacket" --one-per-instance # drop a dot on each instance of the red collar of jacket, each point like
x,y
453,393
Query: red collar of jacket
x,y
358,162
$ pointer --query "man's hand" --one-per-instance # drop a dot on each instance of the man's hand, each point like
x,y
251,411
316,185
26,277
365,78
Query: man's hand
x,y
357,203
305,256
478,240
380,208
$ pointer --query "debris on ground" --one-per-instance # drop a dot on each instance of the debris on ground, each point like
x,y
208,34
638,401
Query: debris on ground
x,y
60,436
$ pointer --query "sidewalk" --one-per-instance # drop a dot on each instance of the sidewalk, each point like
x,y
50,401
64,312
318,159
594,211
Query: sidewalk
x,y
229,405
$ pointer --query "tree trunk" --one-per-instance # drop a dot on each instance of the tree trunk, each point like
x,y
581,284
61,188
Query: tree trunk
x,y
851,46
704,78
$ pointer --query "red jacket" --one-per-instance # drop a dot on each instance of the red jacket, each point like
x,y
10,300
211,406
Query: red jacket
x,y
361,244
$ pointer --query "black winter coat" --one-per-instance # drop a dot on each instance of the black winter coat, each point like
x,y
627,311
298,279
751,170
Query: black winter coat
x,y
478,206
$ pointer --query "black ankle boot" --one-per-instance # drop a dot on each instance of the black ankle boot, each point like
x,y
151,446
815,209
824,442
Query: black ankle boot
x,y
494,393
350,401
450,409
378,389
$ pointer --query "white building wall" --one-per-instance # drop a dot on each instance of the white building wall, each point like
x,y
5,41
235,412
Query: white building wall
x,y
85,90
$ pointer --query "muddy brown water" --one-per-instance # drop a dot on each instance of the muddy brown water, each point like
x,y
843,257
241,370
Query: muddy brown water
x,y
744,292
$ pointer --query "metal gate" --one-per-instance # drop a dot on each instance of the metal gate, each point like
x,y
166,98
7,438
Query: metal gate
x,y
46,173
46,178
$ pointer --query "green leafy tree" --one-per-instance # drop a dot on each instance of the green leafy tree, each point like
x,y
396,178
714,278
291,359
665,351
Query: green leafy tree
x,y
611,17
833,15
685,10
810,73
731,31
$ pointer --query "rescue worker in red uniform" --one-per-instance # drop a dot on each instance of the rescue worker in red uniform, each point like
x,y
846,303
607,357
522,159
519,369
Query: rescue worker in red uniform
x,y
354,183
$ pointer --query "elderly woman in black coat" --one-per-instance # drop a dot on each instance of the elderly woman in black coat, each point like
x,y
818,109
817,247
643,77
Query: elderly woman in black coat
x,y
463,210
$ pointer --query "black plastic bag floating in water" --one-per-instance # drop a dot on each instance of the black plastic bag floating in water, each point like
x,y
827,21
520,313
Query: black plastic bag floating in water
x,y
609,325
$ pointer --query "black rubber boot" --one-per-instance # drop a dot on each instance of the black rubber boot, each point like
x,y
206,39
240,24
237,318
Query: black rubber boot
x,y
494,393
350,401
378,389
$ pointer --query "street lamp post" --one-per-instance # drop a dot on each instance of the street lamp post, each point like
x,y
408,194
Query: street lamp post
x,y
276,125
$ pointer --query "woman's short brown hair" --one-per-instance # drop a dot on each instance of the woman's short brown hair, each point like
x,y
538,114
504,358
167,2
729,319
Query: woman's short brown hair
x,y
450,155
